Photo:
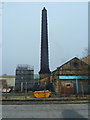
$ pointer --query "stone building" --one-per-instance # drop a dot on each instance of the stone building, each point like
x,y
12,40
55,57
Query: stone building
x,y
71,77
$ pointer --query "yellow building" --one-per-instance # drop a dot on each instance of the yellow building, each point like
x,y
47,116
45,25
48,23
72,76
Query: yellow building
x,y
10,80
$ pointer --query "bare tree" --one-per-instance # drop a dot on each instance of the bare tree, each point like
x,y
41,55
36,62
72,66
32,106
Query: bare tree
x,y
86,52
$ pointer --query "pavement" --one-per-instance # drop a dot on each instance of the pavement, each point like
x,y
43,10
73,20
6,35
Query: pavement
x,y
46,111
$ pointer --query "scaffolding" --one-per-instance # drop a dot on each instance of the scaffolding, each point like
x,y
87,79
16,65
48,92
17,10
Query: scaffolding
x,y
24,79
24,67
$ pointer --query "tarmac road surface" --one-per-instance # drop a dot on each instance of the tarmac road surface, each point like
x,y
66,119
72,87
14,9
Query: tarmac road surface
x,y
45,111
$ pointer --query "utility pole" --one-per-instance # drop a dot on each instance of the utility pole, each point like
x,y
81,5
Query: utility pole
x,y
21,86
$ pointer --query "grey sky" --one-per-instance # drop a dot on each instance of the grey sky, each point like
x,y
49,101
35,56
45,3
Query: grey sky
x,y
0,38
67,30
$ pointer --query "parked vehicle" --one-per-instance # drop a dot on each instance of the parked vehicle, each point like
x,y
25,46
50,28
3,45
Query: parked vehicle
x,y
6,90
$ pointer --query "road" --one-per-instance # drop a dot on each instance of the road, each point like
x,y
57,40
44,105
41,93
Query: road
x,y
45,111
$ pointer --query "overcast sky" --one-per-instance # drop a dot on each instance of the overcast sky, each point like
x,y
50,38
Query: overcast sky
x,y
67,30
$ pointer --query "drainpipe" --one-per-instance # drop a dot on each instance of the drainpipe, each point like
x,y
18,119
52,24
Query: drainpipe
x,y
77,86
82,89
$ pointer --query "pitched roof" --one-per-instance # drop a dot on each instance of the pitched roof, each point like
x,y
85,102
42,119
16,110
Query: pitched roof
x,y
75,58
65,63
69,61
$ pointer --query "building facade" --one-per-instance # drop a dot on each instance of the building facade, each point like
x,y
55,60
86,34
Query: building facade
x,y
72,77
